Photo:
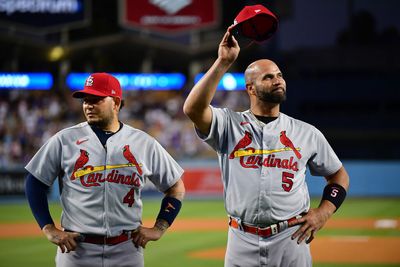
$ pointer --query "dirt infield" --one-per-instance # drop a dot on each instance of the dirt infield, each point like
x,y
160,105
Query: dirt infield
x,y
180,225
343,249
339,250
347,249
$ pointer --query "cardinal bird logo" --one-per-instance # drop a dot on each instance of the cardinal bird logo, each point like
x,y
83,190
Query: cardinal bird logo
x,y
80,162
288,143
245,141
129,156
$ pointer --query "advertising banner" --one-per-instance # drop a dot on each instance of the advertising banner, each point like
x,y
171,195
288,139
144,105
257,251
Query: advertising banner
x,y
43,16
166,16
203,182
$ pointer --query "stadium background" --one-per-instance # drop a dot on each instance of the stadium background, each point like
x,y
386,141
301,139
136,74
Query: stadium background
x,y
340,60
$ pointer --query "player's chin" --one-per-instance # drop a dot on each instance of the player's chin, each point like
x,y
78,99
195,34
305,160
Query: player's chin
x,y
278,97
93,120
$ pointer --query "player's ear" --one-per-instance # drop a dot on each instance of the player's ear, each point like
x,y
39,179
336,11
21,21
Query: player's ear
x,y
250,88
118,103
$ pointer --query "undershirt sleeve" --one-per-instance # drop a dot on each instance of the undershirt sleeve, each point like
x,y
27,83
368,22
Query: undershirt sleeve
x,y
36,193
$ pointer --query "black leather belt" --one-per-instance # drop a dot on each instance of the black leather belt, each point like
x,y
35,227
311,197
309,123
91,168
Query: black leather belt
x,y
104,240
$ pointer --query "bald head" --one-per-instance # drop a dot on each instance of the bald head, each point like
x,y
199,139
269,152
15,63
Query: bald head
x,y
265,83
258,67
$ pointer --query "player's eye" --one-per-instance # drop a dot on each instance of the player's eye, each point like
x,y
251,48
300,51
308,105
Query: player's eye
x,y
92,100
268,77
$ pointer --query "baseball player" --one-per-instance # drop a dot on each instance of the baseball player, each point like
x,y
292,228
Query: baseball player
x,y
263,156
102,165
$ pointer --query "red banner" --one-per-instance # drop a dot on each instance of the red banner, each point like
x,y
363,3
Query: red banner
x,y
203,181
169,15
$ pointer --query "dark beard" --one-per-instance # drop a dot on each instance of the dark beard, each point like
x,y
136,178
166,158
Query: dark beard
x,y
271,97
102,124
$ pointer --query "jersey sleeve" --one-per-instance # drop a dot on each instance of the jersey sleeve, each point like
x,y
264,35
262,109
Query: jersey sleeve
x,y
46,163
165,171
215,137
325,161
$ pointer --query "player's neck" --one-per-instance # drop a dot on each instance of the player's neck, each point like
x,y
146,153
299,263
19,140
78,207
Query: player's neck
x,y
266,110
112,127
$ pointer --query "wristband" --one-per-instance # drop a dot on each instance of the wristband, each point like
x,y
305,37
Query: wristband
x,y
335,194
170,208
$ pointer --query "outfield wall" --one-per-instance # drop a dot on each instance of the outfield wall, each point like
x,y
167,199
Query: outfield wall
x,y
202,179
367,178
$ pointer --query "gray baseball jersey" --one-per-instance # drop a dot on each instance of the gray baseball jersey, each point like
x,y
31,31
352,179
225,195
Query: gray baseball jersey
x,y
263,165
102,185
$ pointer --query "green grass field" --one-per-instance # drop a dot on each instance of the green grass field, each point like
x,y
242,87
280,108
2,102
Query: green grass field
x,y
174,247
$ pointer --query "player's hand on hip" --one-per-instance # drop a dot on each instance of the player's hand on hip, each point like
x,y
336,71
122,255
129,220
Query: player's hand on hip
x,y
228,49
310,223
142,235
65,240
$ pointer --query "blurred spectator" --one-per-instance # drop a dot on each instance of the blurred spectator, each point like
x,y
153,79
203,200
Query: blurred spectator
x,y
29,118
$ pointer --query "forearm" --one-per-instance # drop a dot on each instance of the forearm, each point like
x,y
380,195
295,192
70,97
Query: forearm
x,y
335,191
197,104
170,206
202,93
340,177
176,191
327,209
333,195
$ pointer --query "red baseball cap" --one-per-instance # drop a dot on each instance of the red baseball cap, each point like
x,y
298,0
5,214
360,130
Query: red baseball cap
x,y
100,84
255,22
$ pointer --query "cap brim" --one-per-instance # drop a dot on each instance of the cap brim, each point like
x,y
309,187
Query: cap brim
x,y
83,93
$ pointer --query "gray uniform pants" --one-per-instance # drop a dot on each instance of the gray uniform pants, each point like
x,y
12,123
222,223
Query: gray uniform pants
x,y
249,250
124,254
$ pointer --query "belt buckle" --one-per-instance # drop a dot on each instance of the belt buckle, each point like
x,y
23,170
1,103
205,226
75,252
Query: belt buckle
x,y
105,240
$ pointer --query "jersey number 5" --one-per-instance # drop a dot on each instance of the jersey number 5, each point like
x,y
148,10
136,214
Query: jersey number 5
x,y
130,197
287,181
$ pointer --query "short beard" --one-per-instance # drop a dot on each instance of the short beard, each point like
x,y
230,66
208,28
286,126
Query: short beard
x,y
271,97
101,124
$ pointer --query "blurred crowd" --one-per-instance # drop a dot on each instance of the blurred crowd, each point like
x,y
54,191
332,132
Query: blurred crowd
x,y
29,118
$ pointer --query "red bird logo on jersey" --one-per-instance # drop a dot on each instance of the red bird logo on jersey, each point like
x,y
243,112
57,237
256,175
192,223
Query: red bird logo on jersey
x,y
80,162
288,143
129,156
245,141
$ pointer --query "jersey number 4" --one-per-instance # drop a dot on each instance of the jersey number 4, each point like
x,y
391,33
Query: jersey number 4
x,y
287,181
130,197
